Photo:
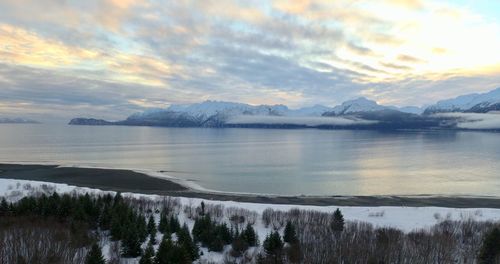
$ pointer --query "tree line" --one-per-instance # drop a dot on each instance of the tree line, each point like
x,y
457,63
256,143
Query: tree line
x,y
68,228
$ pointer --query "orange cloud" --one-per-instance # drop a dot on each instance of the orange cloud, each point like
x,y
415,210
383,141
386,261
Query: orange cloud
x,y
19,46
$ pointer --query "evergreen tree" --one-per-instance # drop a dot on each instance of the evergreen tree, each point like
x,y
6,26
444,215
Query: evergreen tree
x,y
250,236
273,246
131,246
149,253
151,226
116,228
4,206
174,224
202,208
152,239
170,253
490,250
202,229
238,246
216,243
118,199
142,228
94,256
105,219
163,226
337,224
225,234
187,243
290,235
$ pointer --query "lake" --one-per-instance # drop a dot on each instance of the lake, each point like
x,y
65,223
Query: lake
x,y
275,161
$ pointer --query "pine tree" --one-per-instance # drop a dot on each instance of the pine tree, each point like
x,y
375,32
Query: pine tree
x,y
490,250
149,253
94,256
290,235
337,224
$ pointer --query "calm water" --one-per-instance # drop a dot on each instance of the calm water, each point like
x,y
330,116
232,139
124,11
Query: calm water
x,y
305,161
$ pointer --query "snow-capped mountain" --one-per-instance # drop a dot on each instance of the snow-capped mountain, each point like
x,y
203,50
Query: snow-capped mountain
x,y
7,120
223,114
209,109
477,103
411,109
316,110
358,105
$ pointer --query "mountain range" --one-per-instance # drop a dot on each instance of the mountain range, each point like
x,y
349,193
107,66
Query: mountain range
x,y
360,113
8,120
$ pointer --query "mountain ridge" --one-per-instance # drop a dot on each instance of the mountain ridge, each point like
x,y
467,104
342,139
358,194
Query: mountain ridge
x,y
359,113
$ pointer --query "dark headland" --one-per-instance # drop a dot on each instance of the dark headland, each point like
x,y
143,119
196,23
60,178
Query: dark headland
x,y
131,181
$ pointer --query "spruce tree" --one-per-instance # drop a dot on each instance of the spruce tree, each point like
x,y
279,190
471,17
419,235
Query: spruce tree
x,y
94,256
250,236
152,239
170,253
4,206
151,225
490,250
142,228
186,242
273,246
163,226
290,235
337,224
174,224
131,246
202,208
149,253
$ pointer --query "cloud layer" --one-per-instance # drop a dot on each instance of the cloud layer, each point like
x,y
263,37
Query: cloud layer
x,y
110,58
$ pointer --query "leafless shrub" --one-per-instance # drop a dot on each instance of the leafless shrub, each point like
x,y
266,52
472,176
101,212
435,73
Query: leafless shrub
x,y
31,240
377,214
447,242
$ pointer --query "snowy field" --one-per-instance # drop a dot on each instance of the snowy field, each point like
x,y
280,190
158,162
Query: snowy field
x,y
404,218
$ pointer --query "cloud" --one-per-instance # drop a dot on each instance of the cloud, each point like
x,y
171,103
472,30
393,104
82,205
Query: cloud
x,y
409,59
489,120
301,121
412,4
148,53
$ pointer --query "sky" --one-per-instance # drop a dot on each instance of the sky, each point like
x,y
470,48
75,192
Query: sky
x,y
107,59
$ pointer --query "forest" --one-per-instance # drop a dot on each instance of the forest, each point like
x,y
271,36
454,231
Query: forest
x,y
90,228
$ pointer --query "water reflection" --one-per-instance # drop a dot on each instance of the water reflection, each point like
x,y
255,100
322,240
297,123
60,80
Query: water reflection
x,y
276,161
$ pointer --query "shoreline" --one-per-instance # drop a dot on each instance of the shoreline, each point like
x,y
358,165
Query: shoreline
x,y
150,182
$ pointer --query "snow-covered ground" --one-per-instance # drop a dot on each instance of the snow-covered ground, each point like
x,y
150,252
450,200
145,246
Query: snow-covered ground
x,y
404,218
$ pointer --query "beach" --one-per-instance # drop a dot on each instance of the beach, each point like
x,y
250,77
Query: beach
x,y
132,181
